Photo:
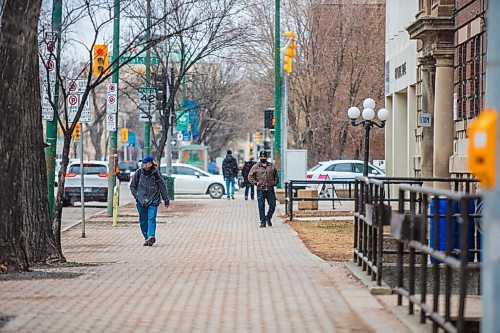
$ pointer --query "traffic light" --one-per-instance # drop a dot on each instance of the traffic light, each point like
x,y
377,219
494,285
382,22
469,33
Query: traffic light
x,y
124,135
101,62
76,132
290,52
269,118
161,88
251,147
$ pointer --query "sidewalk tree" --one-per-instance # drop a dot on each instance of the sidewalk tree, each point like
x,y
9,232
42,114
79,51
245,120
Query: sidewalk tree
x,y
210,28
99,16
25,233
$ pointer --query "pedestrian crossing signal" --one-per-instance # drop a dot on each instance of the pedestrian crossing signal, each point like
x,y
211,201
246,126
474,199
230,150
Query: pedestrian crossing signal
x,y
269,120
76,132
101,62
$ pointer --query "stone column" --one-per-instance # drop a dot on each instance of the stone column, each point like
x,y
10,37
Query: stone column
x,y
400,134
411,125
443,118
428,72
389,157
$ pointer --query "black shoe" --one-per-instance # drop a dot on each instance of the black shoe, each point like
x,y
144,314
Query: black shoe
x,y
263,224
146,243
151,240
232,197
246,198
269,223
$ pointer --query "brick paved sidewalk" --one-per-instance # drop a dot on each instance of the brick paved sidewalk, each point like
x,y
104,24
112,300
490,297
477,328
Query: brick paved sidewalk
x,y
212,270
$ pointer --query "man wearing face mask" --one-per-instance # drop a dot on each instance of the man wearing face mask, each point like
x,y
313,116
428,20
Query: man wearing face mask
x,y
265,176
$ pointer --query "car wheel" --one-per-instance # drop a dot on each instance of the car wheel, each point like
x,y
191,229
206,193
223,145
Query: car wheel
x,y
216,191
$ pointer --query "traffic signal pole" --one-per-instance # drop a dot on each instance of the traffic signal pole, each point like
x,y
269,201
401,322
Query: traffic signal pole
x,y
277,92
490,274
147,124
113,136
51,126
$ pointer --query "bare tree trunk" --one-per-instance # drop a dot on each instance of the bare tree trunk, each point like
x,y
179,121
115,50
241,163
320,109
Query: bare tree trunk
x,y
25,235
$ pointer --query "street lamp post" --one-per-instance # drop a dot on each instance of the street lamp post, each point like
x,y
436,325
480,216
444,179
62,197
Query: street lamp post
x,y
368,115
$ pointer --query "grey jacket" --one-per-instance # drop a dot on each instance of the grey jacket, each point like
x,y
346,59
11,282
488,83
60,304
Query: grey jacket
x,y
147,186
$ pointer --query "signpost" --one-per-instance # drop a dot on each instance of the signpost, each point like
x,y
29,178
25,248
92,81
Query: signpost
x,y
111,122
111,100
139,60
72,102
77,87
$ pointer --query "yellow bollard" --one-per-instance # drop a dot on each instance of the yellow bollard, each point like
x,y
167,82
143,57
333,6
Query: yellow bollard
x,y
115,205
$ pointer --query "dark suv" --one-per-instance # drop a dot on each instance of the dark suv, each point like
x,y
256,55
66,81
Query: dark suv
x,y
125,168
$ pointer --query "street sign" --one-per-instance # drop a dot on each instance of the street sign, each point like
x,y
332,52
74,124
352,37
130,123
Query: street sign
x,y
77,88
141,60
112,99
72,104
111,122
182,121
86,115
147,103
179,136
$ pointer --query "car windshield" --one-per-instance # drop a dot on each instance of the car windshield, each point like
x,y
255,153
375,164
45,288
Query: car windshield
x,y
316,167
90,169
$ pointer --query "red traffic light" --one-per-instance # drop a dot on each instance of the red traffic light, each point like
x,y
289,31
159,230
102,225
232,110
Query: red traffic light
x,y
100,52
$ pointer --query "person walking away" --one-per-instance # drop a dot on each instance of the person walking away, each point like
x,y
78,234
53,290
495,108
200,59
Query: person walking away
x,y
246,170
147,186
230,172
265,176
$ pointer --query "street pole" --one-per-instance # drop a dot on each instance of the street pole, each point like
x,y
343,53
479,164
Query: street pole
x,y
147,124
167,93
113,137
284,136
490,275
367,125
277,92
51,126
82,181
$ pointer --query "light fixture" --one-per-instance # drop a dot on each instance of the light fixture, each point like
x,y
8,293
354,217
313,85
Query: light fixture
x,y
369,103
353,112
368,114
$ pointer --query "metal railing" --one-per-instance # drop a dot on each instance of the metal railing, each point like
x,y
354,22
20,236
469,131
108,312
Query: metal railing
x,y
426,207
372,211
327,192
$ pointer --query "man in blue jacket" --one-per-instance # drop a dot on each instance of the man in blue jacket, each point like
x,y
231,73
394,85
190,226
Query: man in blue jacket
x,y
147,185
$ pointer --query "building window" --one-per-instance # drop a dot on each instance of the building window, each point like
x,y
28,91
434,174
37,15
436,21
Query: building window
x,y
470,78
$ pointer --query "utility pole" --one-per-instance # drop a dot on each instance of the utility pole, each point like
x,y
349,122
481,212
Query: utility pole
x,y
167,93
147,124
113,135
490,275
51,126
277,91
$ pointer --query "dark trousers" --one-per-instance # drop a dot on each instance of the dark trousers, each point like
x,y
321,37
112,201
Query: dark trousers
x,y
262,196
249,188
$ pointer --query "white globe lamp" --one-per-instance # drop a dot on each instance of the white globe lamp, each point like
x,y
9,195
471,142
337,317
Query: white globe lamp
x,y
383,114
353,112
369,103
368,114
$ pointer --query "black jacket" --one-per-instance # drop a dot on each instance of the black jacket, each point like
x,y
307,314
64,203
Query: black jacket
x,y
147,186
230,167
246,169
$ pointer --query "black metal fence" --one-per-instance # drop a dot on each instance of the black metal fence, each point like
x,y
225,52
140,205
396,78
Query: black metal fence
x,y
374,201
328,190
452,243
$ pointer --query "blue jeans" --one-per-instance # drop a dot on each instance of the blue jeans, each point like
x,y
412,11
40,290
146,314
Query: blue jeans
x,y
147,220
229,182
262,196
249,188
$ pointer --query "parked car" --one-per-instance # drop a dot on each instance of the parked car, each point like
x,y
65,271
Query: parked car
x,y
96,182
126,170
192,180
342,169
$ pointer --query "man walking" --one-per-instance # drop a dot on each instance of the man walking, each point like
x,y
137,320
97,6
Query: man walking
x,y
147,185
246,170
265,176
230,172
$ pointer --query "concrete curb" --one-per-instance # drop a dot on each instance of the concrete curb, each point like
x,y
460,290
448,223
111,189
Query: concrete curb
x,y
372,286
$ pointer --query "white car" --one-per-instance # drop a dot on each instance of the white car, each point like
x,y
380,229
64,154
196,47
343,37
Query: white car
x,y
192,180
96,182
343,169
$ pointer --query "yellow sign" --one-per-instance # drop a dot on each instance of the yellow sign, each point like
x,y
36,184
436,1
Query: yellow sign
x,y
482,147
124,135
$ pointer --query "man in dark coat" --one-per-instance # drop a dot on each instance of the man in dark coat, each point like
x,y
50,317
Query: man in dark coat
x,y
265,176
230,172
246,170
147,186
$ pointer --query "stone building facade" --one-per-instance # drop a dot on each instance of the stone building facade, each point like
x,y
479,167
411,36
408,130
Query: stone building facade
x,y
449,86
